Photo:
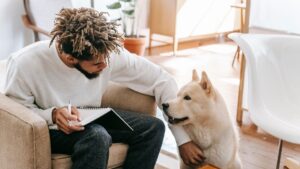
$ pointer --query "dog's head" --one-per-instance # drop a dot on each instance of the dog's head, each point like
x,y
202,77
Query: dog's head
x,y
194,101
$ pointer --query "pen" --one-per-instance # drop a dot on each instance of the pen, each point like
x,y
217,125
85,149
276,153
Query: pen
x,y
71,123
69,107
70,113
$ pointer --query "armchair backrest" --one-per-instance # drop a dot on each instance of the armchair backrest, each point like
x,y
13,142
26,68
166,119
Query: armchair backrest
x,y
128,100
41,14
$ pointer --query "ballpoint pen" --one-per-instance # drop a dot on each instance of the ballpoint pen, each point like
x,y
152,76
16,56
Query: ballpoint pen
x,y
70,123
69,107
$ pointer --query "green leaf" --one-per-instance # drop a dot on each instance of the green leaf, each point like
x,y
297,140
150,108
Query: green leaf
x,y
128,11
115,5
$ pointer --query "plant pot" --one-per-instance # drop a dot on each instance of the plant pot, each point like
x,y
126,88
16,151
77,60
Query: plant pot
x,y
135,45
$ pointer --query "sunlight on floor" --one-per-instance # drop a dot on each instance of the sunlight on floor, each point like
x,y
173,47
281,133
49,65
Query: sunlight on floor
x,y
232,81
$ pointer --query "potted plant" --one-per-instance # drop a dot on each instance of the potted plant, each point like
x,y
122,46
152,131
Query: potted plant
x,y
134,42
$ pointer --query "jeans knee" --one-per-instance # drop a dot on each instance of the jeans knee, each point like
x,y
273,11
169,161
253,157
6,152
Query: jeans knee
x,y
99,136
158,126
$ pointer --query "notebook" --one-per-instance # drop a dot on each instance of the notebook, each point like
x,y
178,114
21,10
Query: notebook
x,y
106,117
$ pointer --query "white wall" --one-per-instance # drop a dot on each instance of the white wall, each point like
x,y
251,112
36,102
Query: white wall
x,y
202,17
13,34
280,15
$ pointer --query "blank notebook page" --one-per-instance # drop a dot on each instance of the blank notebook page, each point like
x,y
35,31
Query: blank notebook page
x,y
89,114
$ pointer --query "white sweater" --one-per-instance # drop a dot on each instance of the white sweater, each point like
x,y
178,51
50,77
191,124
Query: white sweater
x,y
37,78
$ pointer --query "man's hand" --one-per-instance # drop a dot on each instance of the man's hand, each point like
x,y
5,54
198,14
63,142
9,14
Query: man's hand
x,y
191,154
62,118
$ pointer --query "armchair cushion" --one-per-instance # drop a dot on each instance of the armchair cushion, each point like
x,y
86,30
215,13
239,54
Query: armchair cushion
x,y
117,154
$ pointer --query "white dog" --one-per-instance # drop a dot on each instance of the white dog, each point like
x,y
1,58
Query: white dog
x,y
201,110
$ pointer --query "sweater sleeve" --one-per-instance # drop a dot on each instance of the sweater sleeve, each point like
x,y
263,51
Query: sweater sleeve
x,y
145,77
16,89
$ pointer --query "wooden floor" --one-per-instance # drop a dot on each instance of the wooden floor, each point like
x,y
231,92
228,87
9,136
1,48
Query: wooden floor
x,y
258,150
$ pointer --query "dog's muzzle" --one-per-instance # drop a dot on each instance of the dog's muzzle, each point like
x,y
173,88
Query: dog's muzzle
x,y
171,119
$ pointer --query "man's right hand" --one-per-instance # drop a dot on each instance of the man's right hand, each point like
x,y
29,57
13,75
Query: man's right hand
x,y
191,154
61,117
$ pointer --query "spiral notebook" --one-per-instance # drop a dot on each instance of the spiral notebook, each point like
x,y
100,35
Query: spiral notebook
x,y
106,117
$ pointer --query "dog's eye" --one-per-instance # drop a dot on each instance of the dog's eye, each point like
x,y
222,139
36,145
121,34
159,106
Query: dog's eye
x,y
187,97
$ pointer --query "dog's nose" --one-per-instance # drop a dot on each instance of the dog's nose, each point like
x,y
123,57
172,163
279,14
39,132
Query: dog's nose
x,y
165,106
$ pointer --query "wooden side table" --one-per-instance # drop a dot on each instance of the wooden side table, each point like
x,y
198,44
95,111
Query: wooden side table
x,y
163,20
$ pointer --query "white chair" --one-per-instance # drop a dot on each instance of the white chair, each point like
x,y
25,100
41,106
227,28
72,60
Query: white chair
x,y
250,14
274,93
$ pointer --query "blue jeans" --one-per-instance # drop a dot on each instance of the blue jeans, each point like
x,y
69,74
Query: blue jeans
x,y
90,148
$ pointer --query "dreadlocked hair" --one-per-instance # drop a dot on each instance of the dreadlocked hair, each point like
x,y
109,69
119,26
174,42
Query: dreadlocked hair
x,y
84,33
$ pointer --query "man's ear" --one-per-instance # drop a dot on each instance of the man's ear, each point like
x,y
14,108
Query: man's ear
x,y
195,76
71,60
206,84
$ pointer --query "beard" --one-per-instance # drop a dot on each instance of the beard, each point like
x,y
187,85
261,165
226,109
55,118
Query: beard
x,y
85,73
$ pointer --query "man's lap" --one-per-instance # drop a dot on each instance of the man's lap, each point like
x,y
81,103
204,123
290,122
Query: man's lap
x,y
64,143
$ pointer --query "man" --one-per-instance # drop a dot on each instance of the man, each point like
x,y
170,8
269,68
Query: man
x,y
85,53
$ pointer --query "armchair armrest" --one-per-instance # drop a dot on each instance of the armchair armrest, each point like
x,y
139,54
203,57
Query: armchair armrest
x,y
24,137
120,97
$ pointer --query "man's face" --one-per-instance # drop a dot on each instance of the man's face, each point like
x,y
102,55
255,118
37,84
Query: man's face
x,y
91,68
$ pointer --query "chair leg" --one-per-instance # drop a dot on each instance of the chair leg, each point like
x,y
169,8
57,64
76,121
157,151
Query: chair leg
x,y
279,154
150,43
236,56
175,45
239,113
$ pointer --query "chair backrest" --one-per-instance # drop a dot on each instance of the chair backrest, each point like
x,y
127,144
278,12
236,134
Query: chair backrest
x,y
273,68
42,13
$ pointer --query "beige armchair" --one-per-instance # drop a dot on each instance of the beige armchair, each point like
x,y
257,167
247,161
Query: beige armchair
x,y
24,136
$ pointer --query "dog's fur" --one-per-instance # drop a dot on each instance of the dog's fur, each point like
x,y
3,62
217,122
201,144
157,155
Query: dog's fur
x,y
202,112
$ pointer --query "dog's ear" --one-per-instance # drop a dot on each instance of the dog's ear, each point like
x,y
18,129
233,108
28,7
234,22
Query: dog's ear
x,y
206,84
195,75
